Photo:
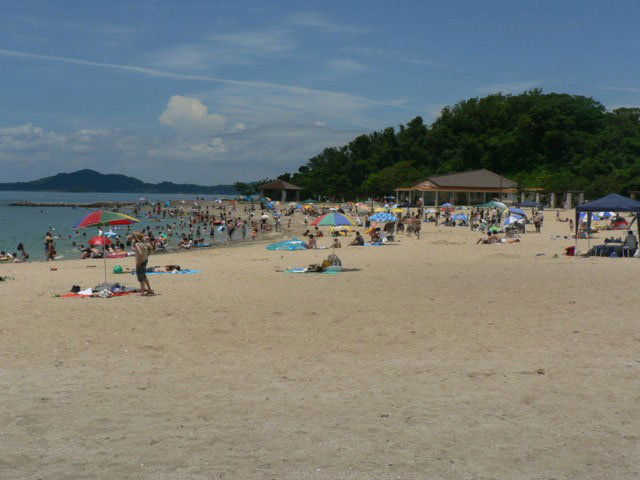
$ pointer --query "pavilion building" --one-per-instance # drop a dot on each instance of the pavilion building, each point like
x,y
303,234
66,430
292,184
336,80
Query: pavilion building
x,y
280,190
465,188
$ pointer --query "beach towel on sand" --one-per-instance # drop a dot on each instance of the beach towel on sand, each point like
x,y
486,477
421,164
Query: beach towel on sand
x,y
179,272
77,295
329,270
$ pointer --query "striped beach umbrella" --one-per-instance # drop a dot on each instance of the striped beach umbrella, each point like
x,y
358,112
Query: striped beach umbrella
x,y
100,218
334,220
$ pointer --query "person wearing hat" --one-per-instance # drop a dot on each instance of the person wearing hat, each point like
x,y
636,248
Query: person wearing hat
x,y
142,258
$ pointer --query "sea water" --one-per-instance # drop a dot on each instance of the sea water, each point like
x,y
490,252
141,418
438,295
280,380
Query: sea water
x,y
29,225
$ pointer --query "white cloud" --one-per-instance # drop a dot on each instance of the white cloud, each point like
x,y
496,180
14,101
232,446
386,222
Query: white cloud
x,y
249,84
258,43
345,65
392,56
236,154
322,23
185,113
183,57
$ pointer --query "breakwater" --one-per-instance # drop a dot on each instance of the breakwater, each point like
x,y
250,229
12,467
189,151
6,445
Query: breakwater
x,y
73,204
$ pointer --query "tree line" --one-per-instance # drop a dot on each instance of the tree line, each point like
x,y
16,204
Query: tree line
x,y
557,142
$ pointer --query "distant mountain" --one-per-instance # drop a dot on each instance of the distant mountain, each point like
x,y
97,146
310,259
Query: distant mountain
x,y
92,181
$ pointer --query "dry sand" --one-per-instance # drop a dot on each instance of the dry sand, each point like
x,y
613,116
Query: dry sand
x,y
432,358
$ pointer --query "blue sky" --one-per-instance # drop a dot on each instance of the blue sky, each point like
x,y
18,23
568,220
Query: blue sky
x,y
219,91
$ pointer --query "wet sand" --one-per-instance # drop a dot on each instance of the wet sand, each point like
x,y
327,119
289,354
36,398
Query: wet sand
x,y
431,358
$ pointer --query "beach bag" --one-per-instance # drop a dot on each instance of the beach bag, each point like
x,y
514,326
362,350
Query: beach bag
x,y
334,260
314,267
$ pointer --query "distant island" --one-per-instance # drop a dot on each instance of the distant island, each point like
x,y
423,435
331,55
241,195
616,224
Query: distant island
x,y
92,181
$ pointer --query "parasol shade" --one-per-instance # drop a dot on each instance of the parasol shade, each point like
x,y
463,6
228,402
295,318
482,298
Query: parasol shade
x,y
100,218
334,220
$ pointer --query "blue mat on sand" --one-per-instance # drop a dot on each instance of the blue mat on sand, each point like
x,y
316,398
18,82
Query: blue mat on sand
x,y
175,272
302,270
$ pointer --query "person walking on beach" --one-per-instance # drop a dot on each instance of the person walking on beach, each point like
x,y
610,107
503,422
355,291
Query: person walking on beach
x,y
537,222
142,258
50,246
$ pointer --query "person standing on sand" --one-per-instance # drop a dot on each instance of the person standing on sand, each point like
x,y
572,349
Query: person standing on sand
x,y
537,222
142,258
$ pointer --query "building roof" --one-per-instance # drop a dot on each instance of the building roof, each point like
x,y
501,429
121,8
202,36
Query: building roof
x,y
475,179
279,185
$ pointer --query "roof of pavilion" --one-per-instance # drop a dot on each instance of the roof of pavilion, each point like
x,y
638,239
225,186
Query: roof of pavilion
x,y
279,185
473,180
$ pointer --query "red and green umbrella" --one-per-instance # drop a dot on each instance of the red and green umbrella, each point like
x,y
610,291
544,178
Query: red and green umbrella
x,y
334,220
100,218
318,220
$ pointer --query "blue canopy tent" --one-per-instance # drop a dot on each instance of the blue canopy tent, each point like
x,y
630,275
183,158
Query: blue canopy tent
x,y
460,217
611,203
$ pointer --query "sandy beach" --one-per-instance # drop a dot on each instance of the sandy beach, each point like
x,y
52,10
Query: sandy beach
x,y
426,359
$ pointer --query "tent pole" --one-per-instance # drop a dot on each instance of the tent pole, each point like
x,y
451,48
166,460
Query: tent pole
x,y
638,225
588,231
577,224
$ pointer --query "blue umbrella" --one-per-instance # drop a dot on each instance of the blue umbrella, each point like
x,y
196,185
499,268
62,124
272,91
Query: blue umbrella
x,y
447,204
460,216
383,217
518,211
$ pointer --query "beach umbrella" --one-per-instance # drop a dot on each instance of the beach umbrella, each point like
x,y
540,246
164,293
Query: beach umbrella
x,y
317,220
383,217
334,220
380,209
493,204
310,200
101,218
99,241
460,216
517,211
447,204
